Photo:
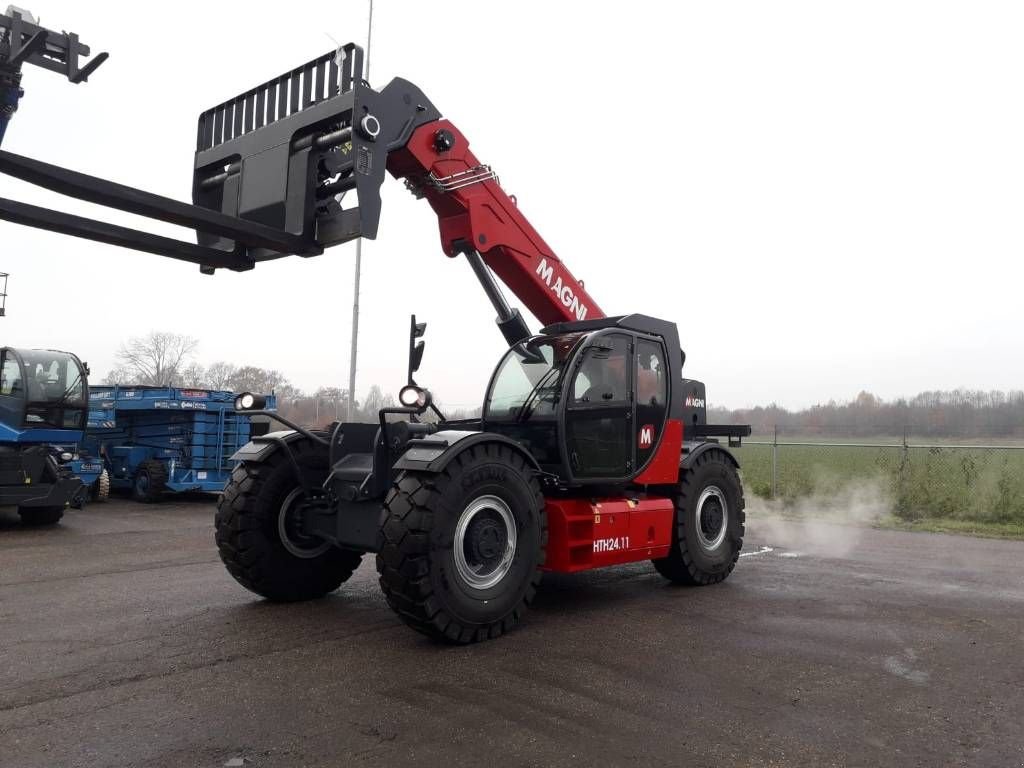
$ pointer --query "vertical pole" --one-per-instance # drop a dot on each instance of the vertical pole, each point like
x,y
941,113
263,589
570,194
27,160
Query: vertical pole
x,y
775,461
906,453
359,263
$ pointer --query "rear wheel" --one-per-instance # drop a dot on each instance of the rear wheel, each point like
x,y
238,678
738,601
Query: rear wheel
x,y
259,533
150,481
461,551
709,525
40,515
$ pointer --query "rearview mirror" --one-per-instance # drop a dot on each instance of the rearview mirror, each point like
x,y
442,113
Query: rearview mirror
x,y
416,331
416,357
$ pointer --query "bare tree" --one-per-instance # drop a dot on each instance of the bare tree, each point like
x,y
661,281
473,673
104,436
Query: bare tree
x,y
157,359
119,375
331,401
219,375
249,378
374,401
194,376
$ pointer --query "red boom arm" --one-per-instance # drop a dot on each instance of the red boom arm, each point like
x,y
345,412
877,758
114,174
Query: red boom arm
x,y
475,213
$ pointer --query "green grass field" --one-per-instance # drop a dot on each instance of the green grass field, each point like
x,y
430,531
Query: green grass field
x,y
968,485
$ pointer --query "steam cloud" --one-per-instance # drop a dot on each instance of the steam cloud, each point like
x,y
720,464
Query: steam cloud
x,y
827,524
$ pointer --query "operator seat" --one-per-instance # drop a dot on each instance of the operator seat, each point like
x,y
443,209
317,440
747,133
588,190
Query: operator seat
x,y
36,389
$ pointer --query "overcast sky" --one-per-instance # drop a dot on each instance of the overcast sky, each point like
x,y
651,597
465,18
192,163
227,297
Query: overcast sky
x,y
826,197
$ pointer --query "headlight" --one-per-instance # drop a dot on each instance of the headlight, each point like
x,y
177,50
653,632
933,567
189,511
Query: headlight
x,y
66,457
414,397
247,401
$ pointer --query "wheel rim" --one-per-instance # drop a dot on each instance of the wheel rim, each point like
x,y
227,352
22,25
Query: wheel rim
x,y
289,529
485,542
142,483
712,518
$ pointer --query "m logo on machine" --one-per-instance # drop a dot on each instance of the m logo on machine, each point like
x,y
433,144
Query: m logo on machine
x,y
693,402
646,437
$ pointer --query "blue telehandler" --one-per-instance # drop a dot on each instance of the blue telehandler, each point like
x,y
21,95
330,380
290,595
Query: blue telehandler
x,y
44,401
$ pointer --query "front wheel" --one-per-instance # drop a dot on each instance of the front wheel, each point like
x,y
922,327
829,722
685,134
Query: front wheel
x,y
709,524
259,529
461,551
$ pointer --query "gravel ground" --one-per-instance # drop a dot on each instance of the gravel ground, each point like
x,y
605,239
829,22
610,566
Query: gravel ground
x,y
123,642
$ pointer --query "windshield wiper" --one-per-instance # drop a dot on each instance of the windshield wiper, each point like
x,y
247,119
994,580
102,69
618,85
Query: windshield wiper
x,y
56,404
62,400
525,411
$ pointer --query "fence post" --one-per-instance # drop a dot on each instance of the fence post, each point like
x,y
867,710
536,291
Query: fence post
x,y
775,461
902,470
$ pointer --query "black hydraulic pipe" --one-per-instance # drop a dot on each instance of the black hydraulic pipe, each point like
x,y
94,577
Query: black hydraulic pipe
x,y
300,429
124,198
324,140
102,232
509,321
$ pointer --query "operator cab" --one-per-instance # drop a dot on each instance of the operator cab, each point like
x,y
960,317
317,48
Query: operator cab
x,y
589,400
42,390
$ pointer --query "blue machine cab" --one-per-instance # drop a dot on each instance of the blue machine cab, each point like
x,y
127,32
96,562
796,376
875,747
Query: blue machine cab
x,y
44,396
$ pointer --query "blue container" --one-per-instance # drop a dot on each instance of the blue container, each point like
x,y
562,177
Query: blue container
x,y
162,438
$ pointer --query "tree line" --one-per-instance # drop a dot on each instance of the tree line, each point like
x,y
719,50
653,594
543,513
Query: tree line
x,y
169,359
960,413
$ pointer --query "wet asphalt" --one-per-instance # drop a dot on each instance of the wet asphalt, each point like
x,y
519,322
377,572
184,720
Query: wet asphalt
x,y
123,642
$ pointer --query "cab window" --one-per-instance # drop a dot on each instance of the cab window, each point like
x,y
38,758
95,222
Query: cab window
x,y
603,377
651,397
10,377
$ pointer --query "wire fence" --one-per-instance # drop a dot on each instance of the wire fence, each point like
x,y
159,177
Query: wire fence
x,y
982,482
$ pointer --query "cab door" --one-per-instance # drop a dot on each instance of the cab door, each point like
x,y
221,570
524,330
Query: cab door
x,y
599,410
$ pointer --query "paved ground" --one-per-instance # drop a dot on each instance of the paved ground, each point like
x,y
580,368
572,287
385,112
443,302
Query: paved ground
x,y
124,643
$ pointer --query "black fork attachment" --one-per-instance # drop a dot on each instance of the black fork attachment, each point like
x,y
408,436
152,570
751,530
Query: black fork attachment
x,y
23,41
272,168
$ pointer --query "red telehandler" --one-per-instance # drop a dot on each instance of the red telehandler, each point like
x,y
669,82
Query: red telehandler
x,y
592,448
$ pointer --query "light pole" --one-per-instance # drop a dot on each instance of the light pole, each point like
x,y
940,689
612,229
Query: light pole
x,y
359,265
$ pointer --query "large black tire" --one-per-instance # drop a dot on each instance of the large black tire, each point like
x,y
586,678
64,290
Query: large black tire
x,y
706,541
101,488
454,597
150,482
36,516
249,530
